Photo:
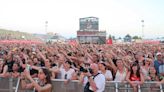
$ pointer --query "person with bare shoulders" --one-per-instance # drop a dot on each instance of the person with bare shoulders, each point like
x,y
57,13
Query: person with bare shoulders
x,y
44,81
135,77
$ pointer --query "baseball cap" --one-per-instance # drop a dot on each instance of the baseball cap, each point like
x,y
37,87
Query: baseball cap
x,y
159,53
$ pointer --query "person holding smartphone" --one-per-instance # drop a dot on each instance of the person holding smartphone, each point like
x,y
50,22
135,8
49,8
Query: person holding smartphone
x,y
44,83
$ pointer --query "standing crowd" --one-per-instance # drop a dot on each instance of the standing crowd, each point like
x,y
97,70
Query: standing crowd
x,y
91,64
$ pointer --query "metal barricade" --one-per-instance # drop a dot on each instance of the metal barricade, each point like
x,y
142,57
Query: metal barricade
x,y
125,87
11,85
8,84
62,86
151,87
19,89
118,86
111,86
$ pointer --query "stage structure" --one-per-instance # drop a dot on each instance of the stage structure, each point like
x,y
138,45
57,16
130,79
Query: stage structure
x,y
89,31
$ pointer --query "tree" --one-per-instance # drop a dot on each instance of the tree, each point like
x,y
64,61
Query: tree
x,y
127,38
113,37
135,37
110,37
139,37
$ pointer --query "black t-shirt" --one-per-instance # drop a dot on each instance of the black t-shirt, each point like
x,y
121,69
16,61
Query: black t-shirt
x,y
33,71
10,65
42,63
21,69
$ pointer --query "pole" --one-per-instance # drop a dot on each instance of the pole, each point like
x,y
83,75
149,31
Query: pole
x,y
46,26
18,84
142,29
116,86
10,84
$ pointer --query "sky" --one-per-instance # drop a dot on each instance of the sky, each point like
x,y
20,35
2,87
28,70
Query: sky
x,y
117,17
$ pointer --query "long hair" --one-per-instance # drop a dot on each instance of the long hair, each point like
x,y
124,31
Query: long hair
x,y
138,70
155,72
48,75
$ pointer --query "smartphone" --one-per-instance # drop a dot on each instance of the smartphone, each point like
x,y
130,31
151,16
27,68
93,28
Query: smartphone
x,y
28,67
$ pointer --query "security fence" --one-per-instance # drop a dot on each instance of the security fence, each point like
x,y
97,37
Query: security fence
x,y
8,84
13,85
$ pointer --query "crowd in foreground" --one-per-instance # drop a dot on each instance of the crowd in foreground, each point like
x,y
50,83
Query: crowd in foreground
x,y
134,63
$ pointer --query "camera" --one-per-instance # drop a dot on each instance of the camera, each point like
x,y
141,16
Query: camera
x,y
85,70
69,53
99,50
88,70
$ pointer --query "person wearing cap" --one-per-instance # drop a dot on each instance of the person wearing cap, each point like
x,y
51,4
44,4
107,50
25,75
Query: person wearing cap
x,y
159,65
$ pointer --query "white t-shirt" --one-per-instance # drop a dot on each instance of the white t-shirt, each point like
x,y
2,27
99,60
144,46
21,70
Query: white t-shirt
x,y
108,74
161,68
100,82
66,74
85,80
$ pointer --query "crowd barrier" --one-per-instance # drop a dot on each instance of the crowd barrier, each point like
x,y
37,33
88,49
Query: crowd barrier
x,y
13,85
9,84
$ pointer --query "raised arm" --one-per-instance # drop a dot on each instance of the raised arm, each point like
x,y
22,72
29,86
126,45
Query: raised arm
x,y
35,84
41,55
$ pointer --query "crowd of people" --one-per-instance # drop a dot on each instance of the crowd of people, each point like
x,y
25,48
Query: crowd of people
x,y
91,64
